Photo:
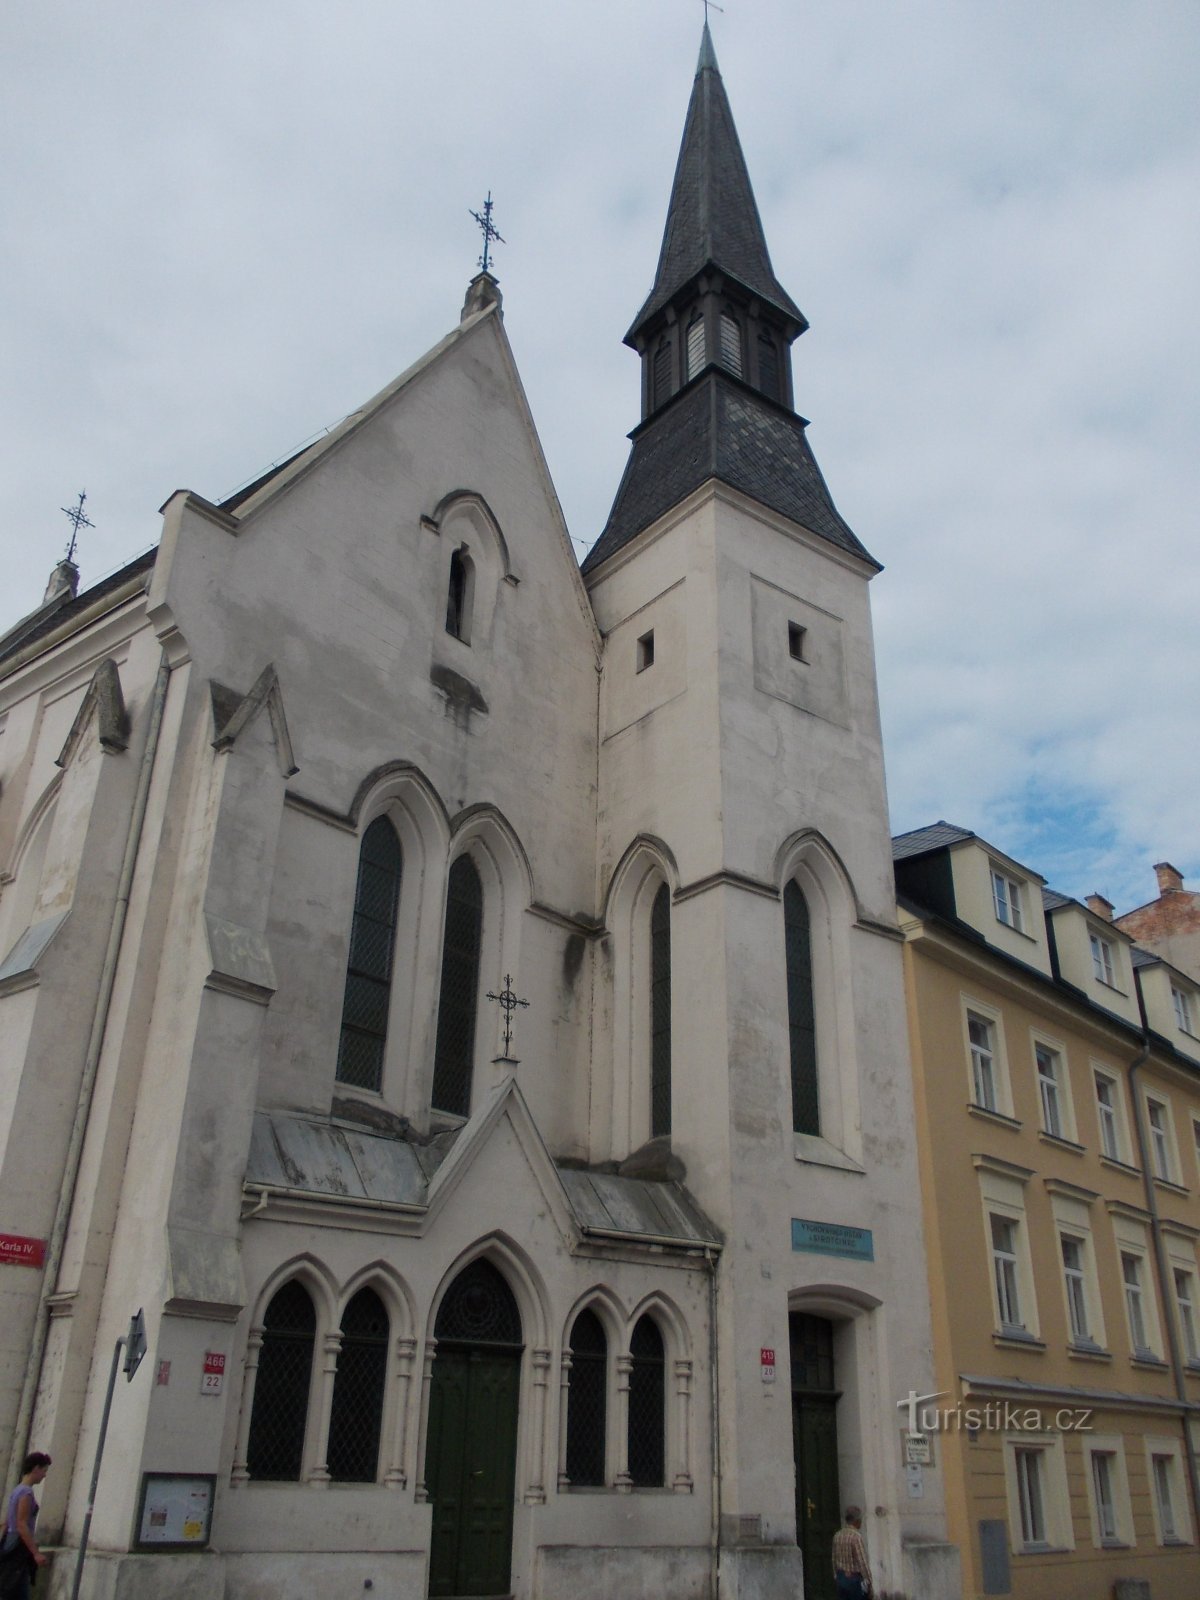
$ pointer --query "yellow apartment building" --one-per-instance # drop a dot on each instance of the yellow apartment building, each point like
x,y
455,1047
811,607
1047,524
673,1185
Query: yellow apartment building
x,y
1057,1071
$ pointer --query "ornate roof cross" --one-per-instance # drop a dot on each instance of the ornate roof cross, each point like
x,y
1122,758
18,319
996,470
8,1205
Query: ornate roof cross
x,y
490,233
75,515
508,1003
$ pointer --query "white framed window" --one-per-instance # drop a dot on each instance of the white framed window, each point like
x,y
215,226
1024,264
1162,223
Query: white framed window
x,y
1108,1490
1075,1282
1051,1086
1006,898
1004,1272
982,1038
1038,1502
1103,965
1185,1302
1135,1302
1183,1003
1196,1141
1108,1115
1172,1524
1158,1118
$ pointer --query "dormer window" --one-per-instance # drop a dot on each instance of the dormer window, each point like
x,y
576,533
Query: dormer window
x,y
1102,960
695,345
731,344
460,594
1182,1002
1006,897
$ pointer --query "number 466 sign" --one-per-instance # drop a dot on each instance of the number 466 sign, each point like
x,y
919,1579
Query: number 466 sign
x,y
213,1377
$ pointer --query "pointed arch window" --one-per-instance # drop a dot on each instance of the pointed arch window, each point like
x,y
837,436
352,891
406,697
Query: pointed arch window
x,y
460,594
647,1404
275,1448
806,1114
358,1390
587,1401
695,345
454,1053
768,366
372,949
660,1013
479,1308
731,344
661,374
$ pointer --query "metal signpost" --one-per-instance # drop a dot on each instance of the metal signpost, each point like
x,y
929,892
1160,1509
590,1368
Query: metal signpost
x,y
134,1344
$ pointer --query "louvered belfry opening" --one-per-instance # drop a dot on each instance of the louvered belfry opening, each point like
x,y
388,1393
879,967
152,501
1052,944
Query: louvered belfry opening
x,y
802,1027
275,1450
587,1401
459,997
660,1014
372,949
647,1404
358,1391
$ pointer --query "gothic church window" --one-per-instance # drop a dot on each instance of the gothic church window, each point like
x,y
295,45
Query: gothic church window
x,y
731,344
275,1449
454,1053
660,1014
369,969
358,1390
587,1401
647,1405
695,346
806,1115
460,595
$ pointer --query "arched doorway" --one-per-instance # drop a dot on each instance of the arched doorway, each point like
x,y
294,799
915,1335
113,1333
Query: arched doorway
x,y
471,1455
814,1440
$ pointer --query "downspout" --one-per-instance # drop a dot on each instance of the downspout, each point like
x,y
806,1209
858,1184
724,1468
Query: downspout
x,y
1161,1264
87,1085
714,1422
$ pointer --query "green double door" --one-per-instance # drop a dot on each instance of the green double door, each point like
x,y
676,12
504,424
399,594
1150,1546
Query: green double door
x,y
471,1469
818,1514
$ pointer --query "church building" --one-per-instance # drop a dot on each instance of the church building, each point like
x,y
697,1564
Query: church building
x,y
458,999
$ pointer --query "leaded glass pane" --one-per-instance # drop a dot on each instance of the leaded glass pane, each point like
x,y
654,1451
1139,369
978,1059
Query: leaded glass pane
x,y
369,970
275,1449
455,1050
806,1112
358,1390
647,1405
586,1400
479,1308
660,1013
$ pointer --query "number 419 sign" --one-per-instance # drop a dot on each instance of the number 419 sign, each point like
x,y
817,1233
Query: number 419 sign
x,y
766,1363
213,1377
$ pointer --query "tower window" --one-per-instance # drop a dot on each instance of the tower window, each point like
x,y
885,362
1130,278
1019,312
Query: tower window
x,y
660,1014
661,375
454,1053
802,1026
695,346
731,344
645,651
460,595
796,641
369,969
768,366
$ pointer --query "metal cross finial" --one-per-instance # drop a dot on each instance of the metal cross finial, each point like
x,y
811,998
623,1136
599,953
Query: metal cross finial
x,y
78,520
490,232
711,5
508,1003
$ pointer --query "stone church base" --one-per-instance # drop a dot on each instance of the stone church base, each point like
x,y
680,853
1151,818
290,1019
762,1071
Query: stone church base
x,y
932,1570
194,1575
642,1572
205,1575
761,1572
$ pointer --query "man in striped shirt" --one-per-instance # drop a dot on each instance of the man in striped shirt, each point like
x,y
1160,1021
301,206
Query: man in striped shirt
x,y
851,1569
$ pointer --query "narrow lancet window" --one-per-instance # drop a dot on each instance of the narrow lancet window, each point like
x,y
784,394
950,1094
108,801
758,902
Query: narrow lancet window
x,y
369,969
357,1410
647,1405
695,346
460,594
731,344
768,366
275,1449
586,1401
454,1053
660,1014
806,1114
661,379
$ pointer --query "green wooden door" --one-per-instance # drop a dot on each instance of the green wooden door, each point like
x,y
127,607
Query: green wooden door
x,y
470,1469
818,1514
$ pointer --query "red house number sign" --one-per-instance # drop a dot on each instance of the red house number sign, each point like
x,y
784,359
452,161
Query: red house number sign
x,y
214,1372
766,1362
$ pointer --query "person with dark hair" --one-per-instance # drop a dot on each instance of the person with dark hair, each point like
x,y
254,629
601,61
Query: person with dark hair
x,y
19,1554
851,1569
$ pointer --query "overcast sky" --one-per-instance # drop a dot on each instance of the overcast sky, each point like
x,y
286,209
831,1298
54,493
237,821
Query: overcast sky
x,y
226,224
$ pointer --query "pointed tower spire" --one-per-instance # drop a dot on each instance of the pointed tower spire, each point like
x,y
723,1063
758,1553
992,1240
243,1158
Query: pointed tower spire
x,y
714,336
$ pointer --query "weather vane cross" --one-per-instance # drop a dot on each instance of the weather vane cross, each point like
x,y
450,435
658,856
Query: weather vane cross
x,y
711,5
490,233
77,519
508,1003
